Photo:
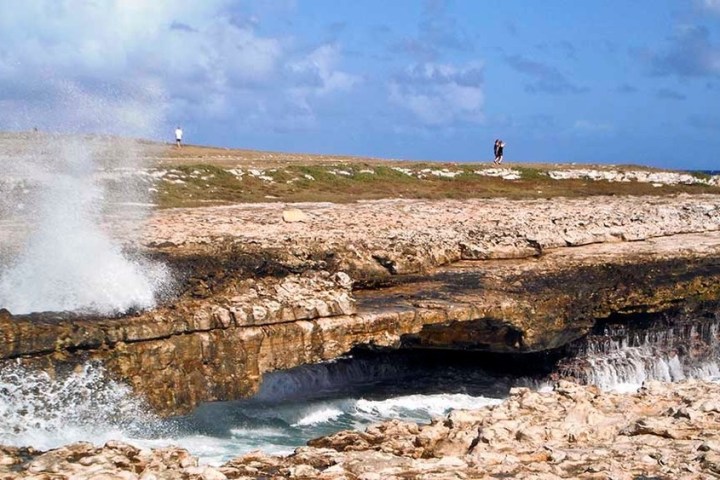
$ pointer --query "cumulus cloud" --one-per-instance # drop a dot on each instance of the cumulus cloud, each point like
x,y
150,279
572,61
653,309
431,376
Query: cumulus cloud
x,y
314,76
318,69
437,93
545,78
440,94
689,54
185,58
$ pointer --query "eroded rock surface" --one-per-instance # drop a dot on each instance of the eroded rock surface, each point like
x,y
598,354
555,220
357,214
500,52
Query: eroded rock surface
x,y
258,294
376,239
662,431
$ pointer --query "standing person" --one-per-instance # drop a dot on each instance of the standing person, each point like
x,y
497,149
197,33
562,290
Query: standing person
x,y
178,136
500,146
498,149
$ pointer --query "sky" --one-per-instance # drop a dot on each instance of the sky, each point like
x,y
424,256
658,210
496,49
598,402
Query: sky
x,y
599,81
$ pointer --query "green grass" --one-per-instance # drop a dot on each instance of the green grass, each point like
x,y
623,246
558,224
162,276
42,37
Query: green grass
x,y
207,184
532,173
700,175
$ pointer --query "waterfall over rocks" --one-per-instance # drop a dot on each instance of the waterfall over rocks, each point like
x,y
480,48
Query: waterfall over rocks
x,y
620,357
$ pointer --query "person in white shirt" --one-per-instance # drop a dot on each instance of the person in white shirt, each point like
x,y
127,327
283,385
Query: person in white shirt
x,y
178,136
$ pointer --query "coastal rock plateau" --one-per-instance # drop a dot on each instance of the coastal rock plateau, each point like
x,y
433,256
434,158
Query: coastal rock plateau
x,y
255,293
662,431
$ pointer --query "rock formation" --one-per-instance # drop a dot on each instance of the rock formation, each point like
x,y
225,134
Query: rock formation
x,y
662,431
257,294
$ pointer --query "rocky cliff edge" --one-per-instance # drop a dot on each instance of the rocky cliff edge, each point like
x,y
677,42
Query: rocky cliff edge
x,y
257,292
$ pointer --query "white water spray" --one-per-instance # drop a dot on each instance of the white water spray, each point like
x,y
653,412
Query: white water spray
x,y
67,260
46,412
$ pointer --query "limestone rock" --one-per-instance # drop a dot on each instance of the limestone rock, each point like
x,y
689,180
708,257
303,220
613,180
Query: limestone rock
x,y
293,215
256,294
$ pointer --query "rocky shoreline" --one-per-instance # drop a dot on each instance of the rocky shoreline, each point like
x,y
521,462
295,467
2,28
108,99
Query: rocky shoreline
x,y
267,287
272,286
662,431
258,293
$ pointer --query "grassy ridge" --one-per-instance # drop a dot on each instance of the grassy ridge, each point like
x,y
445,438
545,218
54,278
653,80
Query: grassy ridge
x,y
197,175
188,185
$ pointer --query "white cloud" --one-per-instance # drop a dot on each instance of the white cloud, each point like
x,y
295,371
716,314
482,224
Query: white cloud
x,y
187,58
313,76
440,94
320,63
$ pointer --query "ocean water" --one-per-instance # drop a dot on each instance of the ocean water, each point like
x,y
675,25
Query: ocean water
x,y
295,406
307,402
291,407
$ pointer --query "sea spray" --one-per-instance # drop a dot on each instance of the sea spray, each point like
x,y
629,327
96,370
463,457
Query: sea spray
x,y
63,187
68,262
83,405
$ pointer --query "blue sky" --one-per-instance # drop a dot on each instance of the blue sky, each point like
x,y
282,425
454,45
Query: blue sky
x,y
609,81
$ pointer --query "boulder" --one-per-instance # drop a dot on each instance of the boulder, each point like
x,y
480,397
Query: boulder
x,y
293,215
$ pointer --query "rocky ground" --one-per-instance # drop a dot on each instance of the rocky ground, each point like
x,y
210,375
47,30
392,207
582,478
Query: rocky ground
x,y
398,236
271,286
664,431
268,285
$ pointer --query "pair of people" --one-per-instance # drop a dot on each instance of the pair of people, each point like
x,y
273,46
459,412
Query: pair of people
x,y
498,149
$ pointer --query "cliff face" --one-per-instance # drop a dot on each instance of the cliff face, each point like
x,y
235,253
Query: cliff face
x,y
256,294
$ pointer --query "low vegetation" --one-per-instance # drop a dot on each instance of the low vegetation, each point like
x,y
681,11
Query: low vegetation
x,y
189,185
195,176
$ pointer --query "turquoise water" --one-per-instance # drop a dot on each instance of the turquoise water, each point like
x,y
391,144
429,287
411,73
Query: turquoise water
x,y
295,406
291,407
307,402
